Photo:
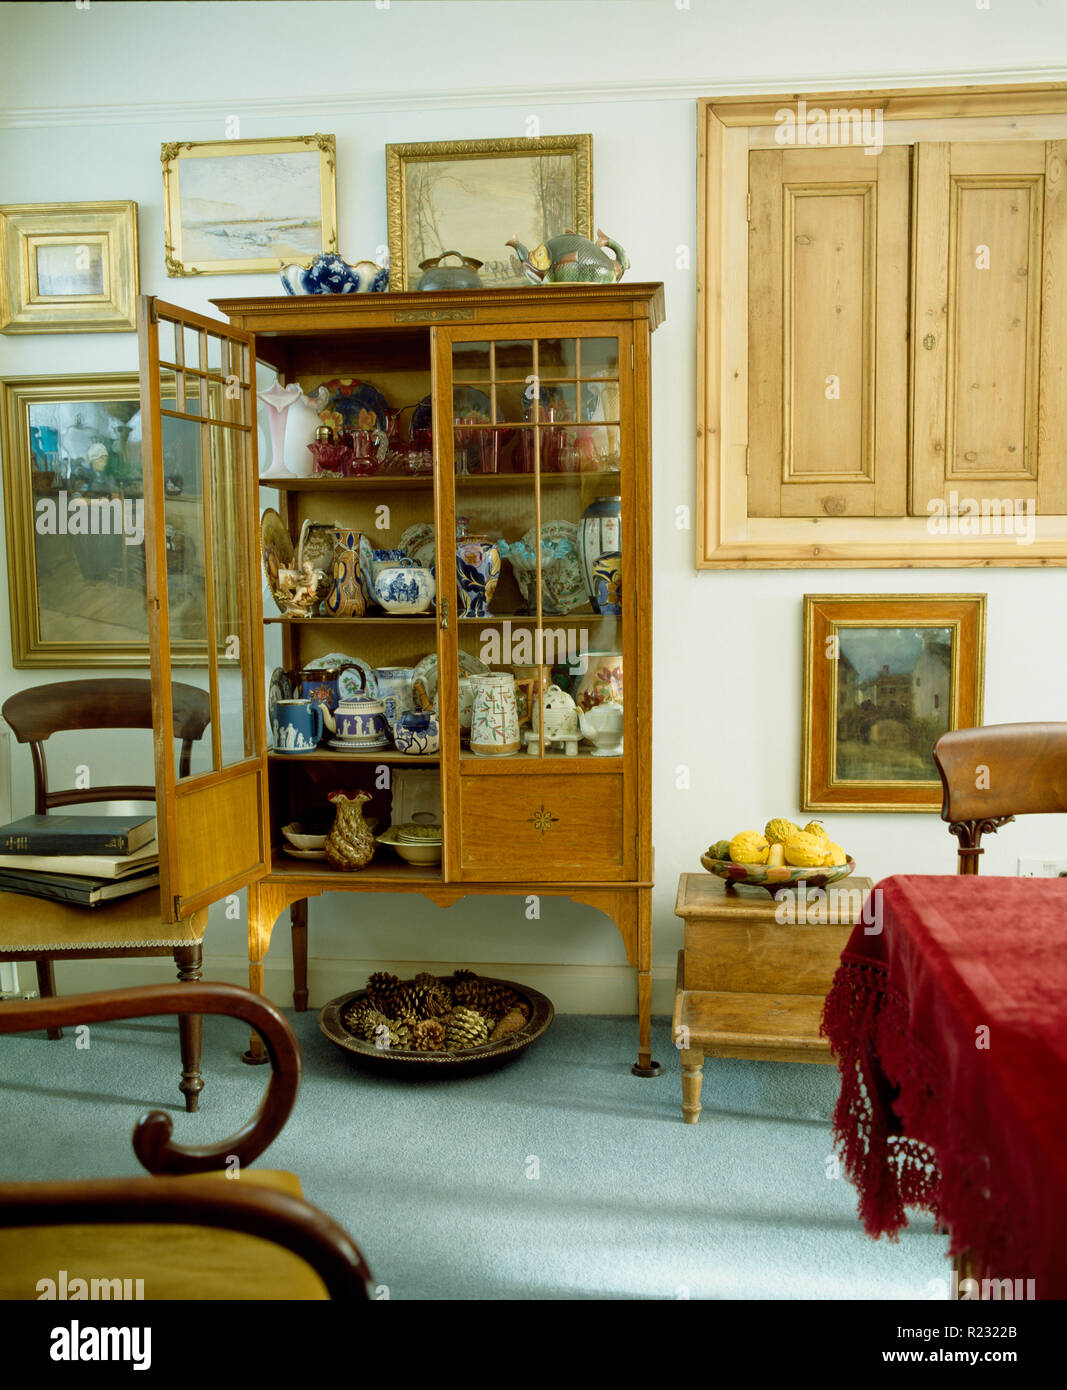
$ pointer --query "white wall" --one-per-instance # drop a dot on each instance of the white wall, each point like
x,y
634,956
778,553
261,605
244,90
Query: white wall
x,y
89,95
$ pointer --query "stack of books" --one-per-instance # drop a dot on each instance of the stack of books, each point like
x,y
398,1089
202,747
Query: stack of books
x,y
79,859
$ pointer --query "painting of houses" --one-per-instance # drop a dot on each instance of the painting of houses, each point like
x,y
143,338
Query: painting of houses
x,y
893,702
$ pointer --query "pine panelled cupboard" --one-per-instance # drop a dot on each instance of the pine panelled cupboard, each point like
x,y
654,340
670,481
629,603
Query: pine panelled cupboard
x,y
539,824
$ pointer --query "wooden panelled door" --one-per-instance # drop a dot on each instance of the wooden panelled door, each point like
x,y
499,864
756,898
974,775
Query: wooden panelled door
x,y
828,323
198,412
989,344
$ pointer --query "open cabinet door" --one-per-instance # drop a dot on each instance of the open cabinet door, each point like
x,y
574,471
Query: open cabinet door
x,y
198,413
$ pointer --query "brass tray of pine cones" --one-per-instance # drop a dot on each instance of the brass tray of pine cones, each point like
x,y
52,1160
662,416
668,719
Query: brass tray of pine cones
x,y
447,1025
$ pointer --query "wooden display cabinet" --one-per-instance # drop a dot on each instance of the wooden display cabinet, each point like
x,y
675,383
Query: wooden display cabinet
x,y
538,823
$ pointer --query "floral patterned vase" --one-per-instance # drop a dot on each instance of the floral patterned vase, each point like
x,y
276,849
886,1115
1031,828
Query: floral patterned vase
x,y
348,597
477,574
607,582
602,682
495,720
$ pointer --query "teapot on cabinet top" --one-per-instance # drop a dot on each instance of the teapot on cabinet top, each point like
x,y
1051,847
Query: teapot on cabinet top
x,y
572,259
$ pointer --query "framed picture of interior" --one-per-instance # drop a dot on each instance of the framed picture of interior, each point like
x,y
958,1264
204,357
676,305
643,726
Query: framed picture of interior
x,y
472,196
248,206
884,677
68,268
74,516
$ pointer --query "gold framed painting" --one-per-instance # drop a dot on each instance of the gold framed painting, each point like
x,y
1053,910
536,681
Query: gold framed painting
x,y
471,196
75,524
68,267
884,677
248,206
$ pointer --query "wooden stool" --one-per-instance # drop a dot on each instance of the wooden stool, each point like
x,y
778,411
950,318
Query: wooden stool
x,y
751,985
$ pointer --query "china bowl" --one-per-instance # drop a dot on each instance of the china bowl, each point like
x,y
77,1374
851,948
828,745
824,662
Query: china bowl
x,y
411,851
776,876
300,839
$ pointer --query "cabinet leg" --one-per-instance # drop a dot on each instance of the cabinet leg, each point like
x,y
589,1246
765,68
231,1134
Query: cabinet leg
x,y
189,960
692,1081
256,1056
298,919
644,1066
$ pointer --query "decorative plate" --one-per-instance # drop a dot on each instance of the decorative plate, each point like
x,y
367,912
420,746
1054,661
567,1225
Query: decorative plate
x,y
277,547
443,1064
354,405
280,688
348,687
466,400
415,537
348,745
773,877
424,677
562,578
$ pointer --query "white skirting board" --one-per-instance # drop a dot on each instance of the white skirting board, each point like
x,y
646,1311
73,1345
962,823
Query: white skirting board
x,y
573,989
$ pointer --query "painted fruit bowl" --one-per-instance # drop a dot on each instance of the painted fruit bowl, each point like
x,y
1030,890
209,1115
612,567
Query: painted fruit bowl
x,y
775,876
441,1064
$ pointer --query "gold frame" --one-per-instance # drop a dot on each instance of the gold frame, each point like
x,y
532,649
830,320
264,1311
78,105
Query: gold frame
x,y
397,157
172,152
28,649
729,127
827,614
25,226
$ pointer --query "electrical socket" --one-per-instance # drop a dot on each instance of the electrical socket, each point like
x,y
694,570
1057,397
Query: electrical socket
x,y
1041,867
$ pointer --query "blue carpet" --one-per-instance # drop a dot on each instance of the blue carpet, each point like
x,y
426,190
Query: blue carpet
x,y
560,1176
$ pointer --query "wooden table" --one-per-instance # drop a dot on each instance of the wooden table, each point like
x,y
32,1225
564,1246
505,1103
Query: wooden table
x,y
754,972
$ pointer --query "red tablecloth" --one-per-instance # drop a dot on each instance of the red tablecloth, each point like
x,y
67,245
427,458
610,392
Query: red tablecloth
x,y
950,1029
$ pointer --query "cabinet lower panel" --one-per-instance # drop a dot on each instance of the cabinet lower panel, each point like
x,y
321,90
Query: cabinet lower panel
x,y
547,828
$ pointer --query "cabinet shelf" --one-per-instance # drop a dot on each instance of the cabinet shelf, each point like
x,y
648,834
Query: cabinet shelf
x,y
377,755
379,481
418,621
376,872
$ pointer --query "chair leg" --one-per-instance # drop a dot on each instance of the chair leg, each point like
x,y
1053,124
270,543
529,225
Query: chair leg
x,y
189,960
46,988
298,918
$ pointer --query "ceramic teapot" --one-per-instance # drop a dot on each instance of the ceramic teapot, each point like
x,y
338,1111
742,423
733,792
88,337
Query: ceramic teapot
x,y
436,276
571,258
329,274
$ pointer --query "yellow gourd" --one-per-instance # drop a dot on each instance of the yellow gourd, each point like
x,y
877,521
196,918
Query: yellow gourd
x,y
749,847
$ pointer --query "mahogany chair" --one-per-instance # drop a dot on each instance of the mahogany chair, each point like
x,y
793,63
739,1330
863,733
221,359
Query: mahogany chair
x,y
115,1227
992,774
42,931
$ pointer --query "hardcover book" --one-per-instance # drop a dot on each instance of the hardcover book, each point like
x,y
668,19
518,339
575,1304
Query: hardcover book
x,y
57,834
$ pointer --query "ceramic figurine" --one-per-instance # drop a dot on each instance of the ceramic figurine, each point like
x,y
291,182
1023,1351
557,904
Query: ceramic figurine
x,y
404,588
348,596
350,843
571,258
329,274
301,428
477,574
298,590
436,276
495,718
599,533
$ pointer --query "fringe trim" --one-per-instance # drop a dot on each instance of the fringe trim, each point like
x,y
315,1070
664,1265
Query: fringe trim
x,y
947,1174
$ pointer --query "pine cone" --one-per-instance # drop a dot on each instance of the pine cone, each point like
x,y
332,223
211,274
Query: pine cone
x,y
426,1001
382,990
489,999
466,1028
461,975
428,1035
402,1037
362,1018
437,985
512,1021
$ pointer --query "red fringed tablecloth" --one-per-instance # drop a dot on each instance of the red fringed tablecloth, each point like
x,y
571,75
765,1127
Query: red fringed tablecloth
x,y
950,1029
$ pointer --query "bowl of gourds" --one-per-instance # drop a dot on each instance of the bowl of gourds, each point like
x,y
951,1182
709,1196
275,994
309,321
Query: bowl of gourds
x,y
783,855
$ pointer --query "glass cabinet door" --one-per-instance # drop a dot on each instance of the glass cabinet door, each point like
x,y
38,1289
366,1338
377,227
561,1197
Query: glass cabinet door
x,y
198,414
537,427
